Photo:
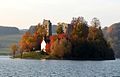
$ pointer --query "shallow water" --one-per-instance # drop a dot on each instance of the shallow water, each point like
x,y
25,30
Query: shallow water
x,y
58,68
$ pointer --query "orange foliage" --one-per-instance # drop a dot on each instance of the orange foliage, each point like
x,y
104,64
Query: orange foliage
x,y
48,48
61,36
35,35
27,42
53,38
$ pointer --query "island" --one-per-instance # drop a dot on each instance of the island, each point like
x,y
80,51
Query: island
x,y
72,41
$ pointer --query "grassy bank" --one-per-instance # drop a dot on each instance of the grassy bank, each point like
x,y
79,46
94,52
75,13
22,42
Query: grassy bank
x,y
32,55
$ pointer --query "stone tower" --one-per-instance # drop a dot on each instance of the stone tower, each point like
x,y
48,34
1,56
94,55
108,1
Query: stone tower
x,y
67,28
48,26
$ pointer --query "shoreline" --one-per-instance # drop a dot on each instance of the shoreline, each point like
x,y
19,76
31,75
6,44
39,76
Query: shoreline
x,y
44,59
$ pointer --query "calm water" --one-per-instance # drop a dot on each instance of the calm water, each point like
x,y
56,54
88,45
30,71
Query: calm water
x,y
58,68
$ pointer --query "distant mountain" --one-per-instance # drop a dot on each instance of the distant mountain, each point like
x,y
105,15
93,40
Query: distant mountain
x,y
8,30
9,36
112,34
32,29
54,29
22,31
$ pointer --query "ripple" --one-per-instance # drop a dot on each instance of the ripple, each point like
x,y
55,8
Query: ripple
x,y
58,68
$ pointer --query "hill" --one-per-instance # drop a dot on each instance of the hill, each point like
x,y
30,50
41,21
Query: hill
x,y
112,34
32,29
6,41
8,30
8,36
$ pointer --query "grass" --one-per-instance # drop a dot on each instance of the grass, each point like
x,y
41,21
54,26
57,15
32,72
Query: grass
x,y
32,55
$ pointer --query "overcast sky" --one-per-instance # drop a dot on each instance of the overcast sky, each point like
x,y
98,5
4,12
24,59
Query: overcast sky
x,y
24,13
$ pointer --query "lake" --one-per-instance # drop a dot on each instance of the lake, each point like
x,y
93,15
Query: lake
x,y
58,68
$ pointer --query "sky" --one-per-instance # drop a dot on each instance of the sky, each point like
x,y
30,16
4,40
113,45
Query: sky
x,y
24,13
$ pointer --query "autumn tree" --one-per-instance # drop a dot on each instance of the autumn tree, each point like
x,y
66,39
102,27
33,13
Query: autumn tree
x,y
37,40
65,45
97,44
95,31
80,28
40,29
79,36
14,48
47,48
52,38
95,22
27,42
61,48
39,34
59,29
